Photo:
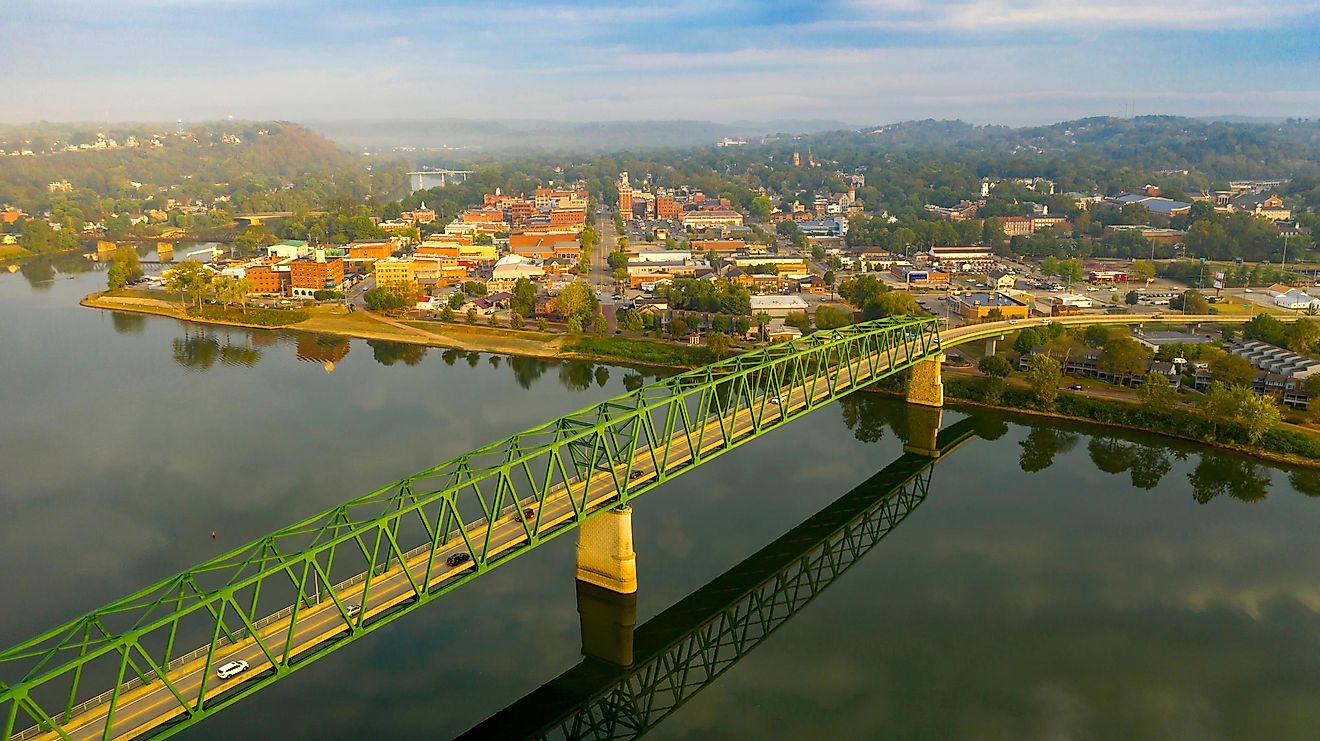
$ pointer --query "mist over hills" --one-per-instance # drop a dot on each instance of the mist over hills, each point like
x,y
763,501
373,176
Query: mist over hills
x,y
463,134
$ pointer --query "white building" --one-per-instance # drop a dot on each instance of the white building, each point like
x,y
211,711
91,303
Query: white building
x,y
1075,300
778,305
1295,299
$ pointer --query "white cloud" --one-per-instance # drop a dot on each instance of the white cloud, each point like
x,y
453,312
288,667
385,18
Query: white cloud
x,y
1010,15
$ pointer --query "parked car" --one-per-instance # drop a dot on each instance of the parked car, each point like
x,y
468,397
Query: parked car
x,y
458,559
1076,387
231,669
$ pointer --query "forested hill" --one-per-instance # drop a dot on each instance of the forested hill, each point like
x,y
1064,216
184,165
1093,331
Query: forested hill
x,y
1216,148
201,162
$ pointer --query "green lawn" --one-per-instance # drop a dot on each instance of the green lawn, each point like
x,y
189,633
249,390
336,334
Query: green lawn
x,y
641,351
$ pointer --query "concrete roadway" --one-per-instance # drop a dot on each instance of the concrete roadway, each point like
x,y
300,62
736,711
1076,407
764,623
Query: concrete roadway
x,y
143,708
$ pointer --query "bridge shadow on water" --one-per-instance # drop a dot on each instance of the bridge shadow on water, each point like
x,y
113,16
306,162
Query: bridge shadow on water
x,y
631,679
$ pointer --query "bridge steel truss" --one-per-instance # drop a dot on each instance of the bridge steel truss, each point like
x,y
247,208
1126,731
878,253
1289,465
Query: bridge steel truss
x,y
274,596
690,645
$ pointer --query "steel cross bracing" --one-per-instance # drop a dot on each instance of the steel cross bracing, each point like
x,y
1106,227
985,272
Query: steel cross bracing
x,y
312,587
688,646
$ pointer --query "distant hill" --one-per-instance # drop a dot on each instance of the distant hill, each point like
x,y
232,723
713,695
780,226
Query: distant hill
x,y
600,136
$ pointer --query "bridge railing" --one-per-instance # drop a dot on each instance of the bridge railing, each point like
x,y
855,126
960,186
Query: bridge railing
x,y
583,461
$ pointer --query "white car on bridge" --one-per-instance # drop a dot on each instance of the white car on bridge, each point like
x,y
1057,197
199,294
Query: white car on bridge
x,y
231,669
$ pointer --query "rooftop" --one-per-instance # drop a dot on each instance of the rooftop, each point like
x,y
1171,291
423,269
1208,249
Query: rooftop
x,y
983,298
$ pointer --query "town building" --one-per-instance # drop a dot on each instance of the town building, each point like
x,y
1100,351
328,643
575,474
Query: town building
x,y
980,305
394,272
1001,280
911,276
315,272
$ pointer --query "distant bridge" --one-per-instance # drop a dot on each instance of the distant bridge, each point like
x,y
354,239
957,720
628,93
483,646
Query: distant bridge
x,y
427,179
255,219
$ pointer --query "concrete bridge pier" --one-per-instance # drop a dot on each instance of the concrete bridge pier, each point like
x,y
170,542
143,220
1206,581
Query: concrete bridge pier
x,y
923,430
608,620
605,555
925,386
992,345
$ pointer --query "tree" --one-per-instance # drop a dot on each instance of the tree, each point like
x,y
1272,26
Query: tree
x,y
1302,335
762,319
1157,393
1194,303
1070,271
996,366
474,288
1044,375
389,300
516,320
893,303
828,317
1026,340
1096,335
1124,358
492,320
541,323
1049,265
124,267
455,300
232,290
620,276
523,300
798,320
447,314
1258,414
189,277
1232,370
577,304
599,325
117,276
1141,270
1132,298
1219,405
472,315
617,260
718,343
678,328
760,208
632,320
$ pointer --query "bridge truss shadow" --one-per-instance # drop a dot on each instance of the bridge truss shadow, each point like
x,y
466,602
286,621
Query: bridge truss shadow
x,y
630,681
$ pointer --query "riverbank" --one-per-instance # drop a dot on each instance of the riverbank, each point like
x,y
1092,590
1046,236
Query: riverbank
x,y
1285,443
336,320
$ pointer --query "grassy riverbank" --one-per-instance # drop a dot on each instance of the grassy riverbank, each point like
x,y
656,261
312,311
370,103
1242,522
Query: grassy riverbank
x,y
637,350
1282,443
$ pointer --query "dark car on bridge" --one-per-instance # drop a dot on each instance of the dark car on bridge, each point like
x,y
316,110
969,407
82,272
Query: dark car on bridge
x,y
458,559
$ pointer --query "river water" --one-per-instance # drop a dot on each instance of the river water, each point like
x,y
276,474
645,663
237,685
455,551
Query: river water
x,y
1058,582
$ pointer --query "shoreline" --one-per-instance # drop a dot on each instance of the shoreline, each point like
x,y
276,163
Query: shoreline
x,y
552,350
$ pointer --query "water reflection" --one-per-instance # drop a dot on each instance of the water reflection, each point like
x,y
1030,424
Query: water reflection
x,y
386,352
645,675
125,323
1233,475
1042,445
198,350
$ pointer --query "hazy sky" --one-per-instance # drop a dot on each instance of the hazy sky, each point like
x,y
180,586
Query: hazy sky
x,y
860,61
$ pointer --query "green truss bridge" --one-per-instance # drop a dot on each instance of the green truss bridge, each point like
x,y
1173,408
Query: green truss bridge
x,y
149,663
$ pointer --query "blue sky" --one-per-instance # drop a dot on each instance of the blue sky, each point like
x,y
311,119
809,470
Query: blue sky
x,y
859,61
